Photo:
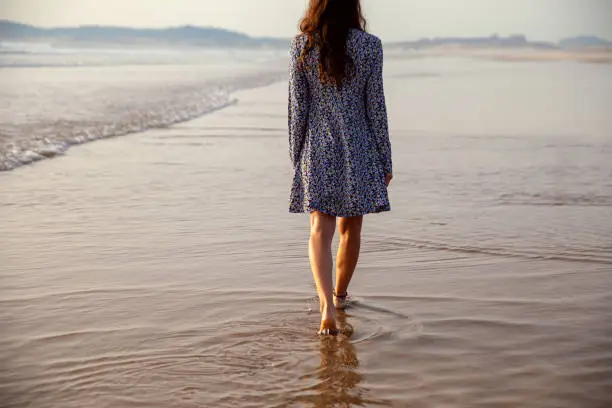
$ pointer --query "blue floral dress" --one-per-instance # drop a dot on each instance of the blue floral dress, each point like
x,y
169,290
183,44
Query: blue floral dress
x,y
338,138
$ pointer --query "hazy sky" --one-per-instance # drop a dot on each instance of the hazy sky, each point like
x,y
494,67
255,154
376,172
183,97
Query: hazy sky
x,y
391,19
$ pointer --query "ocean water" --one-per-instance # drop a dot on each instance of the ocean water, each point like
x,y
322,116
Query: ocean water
x,y
162,269
53,98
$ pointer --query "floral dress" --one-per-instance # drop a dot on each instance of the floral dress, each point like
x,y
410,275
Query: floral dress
x,y
338,137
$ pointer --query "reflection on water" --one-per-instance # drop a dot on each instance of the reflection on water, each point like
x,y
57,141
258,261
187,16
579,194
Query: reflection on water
x,y
338,376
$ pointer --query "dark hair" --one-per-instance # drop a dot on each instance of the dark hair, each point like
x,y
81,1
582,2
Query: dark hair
x,y
327,24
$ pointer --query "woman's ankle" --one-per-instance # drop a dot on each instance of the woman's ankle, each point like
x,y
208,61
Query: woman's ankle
x,y
328,312
340,294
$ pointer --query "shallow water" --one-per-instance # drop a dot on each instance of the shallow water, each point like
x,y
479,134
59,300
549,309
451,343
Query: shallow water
x,y
162,269
54,98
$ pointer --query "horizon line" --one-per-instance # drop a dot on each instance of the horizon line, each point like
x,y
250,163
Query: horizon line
x,y
189,25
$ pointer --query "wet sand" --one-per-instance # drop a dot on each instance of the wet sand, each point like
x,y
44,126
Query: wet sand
x,y
163,270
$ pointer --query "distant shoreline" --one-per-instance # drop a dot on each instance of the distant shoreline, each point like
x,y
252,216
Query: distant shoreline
x,y
590,55
194,36
600,55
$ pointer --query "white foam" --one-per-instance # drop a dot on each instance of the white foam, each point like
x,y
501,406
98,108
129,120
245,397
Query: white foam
x,y
179,103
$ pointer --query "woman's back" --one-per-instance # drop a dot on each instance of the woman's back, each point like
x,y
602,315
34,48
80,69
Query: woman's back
x,y
362,50
345,107
338,136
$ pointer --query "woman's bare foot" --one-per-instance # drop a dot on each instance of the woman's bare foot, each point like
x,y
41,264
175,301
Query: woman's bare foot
x,y
328,322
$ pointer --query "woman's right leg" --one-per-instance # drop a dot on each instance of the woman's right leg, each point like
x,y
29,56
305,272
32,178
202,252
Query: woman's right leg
x,y
322,227
348,252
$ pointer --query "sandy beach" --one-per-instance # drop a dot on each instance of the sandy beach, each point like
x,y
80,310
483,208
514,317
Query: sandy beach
x,y
162,269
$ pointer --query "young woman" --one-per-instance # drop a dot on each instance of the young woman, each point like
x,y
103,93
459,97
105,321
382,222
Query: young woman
x,y
338,140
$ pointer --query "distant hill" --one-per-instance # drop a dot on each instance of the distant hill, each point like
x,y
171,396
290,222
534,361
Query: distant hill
x,y
493,41
584,42
209,36
188,35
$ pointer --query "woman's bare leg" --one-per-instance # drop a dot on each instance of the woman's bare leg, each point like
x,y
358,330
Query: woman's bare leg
x,y
322,229
348,251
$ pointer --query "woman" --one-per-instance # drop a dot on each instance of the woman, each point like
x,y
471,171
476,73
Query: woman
x,y
338,140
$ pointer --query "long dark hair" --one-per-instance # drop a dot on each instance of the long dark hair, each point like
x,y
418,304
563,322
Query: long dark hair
x,y
327,24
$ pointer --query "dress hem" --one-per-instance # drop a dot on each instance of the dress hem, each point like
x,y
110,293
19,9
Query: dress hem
x,y
309,210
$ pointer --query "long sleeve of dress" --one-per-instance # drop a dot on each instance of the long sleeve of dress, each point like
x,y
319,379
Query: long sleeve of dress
x,y
377,109
299,100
